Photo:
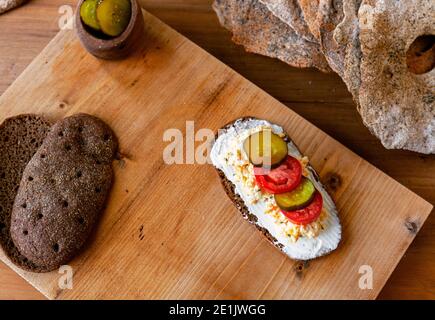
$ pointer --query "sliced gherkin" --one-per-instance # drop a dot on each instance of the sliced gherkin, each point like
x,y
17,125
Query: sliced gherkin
x,y
113,16
265,148
297,198
88,13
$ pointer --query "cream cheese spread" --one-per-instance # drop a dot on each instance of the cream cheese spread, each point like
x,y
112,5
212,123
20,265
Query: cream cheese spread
x,y
298,242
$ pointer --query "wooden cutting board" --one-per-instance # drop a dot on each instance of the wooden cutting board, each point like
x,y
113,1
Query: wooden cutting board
x,y
170,231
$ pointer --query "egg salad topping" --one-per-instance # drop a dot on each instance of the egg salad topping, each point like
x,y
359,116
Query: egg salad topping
x,y
244,176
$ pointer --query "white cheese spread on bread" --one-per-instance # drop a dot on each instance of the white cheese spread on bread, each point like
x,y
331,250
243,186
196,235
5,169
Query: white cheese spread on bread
x,y
300,242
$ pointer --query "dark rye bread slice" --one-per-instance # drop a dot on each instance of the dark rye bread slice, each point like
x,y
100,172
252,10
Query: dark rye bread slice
x,y
238,202
20,138
240,205
63,191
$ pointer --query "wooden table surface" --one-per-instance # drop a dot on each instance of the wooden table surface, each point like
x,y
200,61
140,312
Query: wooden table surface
x,y
320,98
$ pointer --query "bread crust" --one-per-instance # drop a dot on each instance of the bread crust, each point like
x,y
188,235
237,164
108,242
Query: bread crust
x,y
20,138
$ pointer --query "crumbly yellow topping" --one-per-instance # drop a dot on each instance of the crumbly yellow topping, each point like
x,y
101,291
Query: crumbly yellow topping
x,y
244,174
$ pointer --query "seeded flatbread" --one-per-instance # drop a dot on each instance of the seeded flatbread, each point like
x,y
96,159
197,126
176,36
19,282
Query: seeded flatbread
x,y
63,191
310,10
259,31
347,36
6,5
330,16
397,104
224,10
20,138
290,12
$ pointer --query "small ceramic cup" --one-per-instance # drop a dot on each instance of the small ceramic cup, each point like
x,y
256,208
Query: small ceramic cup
x,y
112,48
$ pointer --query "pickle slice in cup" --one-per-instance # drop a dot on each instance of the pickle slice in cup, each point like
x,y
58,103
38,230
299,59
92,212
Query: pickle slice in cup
x,y
114,16
88,14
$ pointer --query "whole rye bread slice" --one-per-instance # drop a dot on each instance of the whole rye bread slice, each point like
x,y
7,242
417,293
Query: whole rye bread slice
x,y
333,230
259,31
20,138
63,190
238,202
290,12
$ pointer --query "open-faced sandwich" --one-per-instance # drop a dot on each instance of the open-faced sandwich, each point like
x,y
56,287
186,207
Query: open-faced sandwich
x,y
275,188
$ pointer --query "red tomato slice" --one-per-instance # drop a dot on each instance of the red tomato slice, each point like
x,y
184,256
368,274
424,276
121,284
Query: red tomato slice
x,y
308,214
282,179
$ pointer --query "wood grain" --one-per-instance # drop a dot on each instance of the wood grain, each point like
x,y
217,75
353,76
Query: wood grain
x,y
320,98
166,235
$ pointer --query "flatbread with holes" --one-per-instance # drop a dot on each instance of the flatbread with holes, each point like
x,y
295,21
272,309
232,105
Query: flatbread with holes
x,y
259,31
397,94
63,190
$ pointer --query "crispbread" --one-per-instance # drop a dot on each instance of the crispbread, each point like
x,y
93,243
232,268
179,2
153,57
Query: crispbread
x,y
63,189
259,31
396,104
330,16
290,12
310,10
6,5
20,138
224,10
347,36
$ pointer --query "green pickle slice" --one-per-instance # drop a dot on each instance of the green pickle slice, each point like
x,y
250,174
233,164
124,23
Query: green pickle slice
x,y
88,13
114,16
297,198
265,148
